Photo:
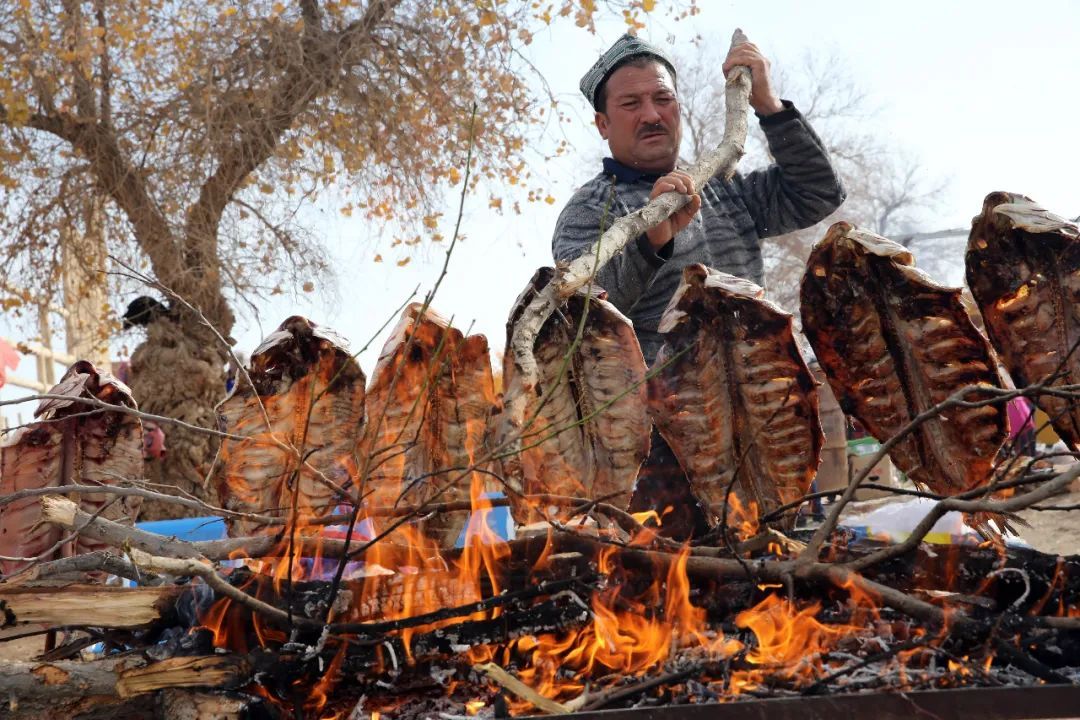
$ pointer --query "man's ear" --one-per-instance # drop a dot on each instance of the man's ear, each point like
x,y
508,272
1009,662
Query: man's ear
x,y
601,121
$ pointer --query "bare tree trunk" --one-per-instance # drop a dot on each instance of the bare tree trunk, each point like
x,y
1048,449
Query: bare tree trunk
x,y
85,289
179,372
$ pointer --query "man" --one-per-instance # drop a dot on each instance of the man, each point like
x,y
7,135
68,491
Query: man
x,y
633,90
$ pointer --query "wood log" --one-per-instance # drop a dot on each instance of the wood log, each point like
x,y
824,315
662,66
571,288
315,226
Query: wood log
x,y
86,605
78,567
184,672
107,687
183,704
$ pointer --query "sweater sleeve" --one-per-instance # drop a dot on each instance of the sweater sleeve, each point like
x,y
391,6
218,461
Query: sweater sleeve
x,y
801,187
589,213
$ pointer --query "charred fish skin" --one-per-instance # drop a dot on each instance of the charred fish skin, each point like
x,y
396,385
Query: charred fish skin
x,y
560,456
110,450
1023,268
70,444
613,373
431,399
587,427
459,410
30,458
395,453
893,344
306,399
732,394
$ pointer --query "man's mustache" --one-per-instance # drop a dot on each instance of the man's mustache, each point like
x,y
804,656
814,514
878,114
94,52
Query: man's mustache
x,y
652,129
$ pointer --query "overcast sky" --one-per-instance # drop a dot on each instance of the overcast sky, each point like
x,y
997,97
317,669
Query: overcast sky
x,y
986,94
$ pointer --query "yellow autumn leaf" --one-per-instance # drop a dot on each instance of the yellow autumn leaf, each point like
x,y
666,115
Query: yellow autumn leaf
x,y
18,112
431,221
549,200
648,5
488,17
403,262
455,176
378,258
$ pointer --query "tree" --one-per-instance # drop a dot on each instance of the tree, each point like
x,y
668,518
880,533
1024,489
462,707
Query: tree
x,y
886,187
206,125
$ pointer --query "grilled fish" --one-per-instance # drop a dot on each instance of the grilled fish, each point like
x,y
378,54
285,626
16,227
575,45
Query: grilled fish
x,y
589,429
71,443
306,407
1023,268
430,402
893,344
733,396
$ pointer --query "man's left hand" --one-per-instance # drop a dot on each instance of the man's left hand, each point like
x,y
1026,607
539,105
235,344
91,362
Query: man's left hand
x,y
762,98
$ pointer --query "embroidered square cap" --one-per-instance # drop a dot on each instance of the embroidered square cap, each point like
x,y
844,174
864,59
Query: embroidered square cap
x,y
626,47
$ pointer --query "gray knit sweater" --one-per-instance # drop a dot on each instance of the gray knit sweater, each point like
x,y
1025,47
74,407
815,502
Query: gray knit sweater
x,y
798,190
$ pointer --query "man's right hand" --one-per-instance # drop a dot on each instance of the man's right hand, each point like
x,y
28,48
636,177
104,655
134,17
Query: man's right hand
x,y
678,181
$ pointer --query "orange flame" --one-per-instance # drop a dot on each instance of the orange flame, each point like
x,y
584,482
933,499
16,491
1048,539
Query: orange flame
x,y
625,636
743,519
790,641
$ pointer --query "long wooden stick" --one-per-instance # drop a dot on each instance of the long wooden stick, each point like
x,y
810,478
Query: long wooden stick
x,y
583,269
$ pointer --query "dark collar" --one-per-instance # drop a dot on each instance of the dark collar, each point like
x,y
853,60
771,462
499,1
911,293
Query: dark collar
x,y
627,174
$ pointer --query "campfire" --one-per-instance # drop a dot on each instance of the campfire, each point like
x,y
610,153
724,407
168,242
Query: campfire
x,y
372,569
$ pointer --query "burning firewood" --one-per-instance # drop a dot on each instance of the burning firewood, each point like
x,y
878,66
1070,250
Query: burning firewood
x,y
893,343
70,444
626,626
307,406
430,402
1022,264
733,395
590,427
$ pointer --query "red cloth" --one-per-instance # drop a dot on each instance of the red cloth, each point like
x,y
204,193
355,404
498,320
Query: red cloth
x,y
9,360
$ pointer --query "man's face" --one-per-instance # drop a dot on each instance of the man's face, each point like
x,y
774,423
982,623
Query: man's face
x,y
641,120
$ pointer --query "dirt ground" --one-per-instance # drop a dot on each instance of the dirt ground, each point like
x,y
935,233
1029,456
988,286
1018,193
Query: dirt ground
x,y
1055,531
